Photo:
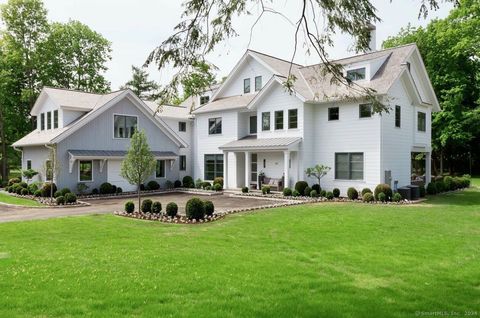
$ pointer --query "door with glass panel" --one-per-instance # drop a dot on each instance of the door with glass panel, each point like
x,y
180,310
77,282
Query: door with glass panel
x,y
253,169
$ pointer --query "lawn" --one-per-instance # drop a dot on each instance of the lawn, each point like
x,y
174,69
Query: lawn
x,y
10,199
335,260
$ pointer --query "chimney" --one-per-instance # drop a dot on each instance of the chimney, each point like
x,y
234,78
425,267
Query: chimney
x,y
373,37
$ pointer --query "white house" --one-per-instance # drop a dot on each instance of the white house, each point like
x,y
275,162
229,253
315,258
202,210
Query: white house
x,y
250,124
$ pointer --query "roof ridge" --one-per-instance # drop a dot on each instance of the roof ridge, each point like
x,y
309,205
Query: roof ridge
x,y
274,57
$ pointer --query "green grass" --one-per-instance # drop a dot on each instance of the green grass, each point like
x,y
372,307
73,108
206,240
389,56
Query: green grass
x,y
331,260
10,199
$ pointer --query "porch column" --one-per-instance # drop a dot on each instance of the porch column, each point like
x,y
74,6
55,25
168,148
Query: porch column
x,y
247,168
286,160
225,169
428,167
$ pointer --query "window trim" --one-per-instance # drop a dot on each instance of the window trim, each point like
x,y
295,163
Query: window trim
x,y
55,119
399,116
364,68
42,121
275,119
349,167
164,169
221,126
360,111
215,172
180,124
296,121
204,97
80,161
269,121
338,113
26,163
418,122
180,167
113,125
260,86
49,120
250,125
245,80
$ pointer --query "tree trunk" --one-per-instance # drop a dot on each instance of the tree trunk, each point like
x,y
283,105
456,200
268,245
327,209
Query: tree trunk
x,y
138,192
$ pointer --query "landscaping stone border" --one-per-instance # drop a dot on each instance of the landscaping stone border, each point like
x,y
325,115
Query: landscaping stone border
x,y
133,194
47,203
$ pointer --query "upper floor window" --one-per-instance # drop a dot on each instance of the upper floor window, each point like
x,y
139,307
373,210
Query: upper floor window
x,y
349,166
398,116
356,74
215,126
279,119
365,110
160,169
253,124
49,120
421,121
182,126
85,170
124,126
266,121
55,119
246,85
183,163
42,121
292,118
204,99
258,83
333,113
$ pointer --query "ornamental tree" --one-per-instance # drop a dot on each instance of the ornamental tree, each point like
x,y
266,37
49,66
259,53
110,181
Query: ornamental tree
x,y
319,171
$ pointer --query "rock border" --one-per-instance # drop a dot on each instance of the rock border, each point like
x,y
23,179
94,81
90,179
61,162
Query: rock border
x,y
47,203
132,194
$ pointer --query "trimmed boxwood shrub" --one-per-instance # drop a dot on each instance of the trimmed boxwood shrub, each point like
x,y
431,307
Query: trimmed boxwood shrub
x,y
114,189
323,193
329,195
352,193
23,185
208,188
397,197
217,187
265,189
129,206
307,191
336,192
188,182
47,188
57,194
195,209
431,188
300,186
368,197
32,188
206,184
209,207
168,184
12,181
218,180
385,188
422,190
448,183
18,189
245,190
94,191
60,200
382,197
106,188
316,187
70,198
295,193
172,209
153,185
38,193
457,183
24,191
147,205
198,183
65,191
366,190
177,184
314,194
119,190
440,185
156,207
287,192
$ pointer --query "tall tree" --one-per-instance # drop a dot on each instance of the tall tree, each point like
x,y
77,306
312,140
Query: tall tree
x,y
451,51
140,84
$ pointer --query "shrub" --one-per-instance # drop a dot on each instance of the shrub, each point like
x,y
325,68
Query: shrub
x,y
217,187
177,184
38,193
153,185
24,191
440,185
129,207
245,190
60,200
385,188
47,187
422,190
300,186
18,188
58,194
208,188
382,197
65,191
287,192
70,198
218,180
12,181
448,183
352,193
114,189
81,187
119,190
397,197
198,183
172,209
336,192
314,194
95,191
368,197
316,187
168,184
142,187
323,193
195,209
23,185
307,191
329,195
466,180
105,188
366,190
265,189
188,182
209,207
156,207
295,193
206,184
147,206
431,188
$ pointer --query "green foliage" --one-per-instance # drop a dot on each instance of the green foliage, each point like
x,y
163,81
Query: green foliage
x,y
300,186
397,197
352,193
206,184
217,187
316,187
431,188
82,188
129,206
368,197
295,193
245,190
381,197
32,188
323,193
48,189
440,185
287,192
329,195
146,206
38,193
177,184
209,208
448,183
106,188
12,181
24,191
319,171
307,191
218,180
385,188
366,190
172,209
195,209
140,84
64,191
265,189
422,190
29,174
336,192
198,183
188,182
314,194
60,200
70,198
57,194
153,185
156,207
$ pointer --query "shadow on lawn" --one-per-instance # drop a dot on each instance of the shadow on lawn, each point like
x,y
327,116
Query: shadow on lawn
x,y
468,197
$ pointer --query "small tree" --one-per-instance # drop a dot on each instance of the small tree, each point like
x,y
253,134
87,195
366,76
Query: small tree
x,y
52,167
29,174
139,163
319,171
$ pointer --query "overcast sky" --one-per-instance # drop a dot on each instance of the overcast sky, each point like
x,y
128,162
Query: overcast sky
x,y
136,27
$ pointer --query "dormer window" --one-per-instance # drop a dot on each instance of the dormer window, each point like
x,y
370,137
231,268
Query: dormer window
x,y
55,119
258,83
246,86
356,74
204,100
42,121
49,120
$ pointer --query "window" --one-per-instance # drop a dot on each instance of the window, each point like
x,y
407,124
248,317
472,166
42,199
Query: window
x,y
398,116
182,126
264,163
246,85
48,170
213,166
292,118
258,83
55,119
349,166
253,167
356,74
42,121
204,100
279,119
29,164
215,126
365,110
49,120
85,171
333,113
183,163
421,121
124,126
160,169
266,121
253,124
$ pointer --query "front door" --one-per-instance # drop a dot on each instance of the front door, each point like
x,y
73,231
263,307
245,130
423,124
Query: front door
x,y
253,168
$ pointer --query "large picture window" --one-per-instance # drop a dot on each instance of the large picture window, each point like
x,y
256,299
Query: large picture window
x,y
85,171
124,126
266,121
279,119
213,166
421,121
215,126
349,166
160,169
292,118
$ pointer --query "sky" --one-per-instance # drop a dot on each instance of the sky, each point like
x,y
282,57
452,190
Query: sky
x,y
135,27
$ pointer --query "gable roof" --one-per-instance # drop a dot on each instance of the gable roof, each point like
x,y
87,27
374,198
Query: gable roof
x,y
226,103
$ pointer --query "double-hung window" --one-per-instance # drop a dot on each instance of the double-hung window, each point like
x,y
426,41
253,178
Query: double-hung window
x,y
124,126
183,163
49,120
55,119
215,126
398,116
265,121
160,169
182,126
213,166
42,121
292,118
365,110
85,170
333,113
349,166
278,119
246,86
204,99
258,83
421,121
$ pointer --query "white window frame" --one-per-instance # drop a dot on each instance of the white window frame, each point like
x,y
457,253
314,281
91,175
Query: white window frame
x,y
91,161
113,125
250,125
349,163
180,123
418,122
164,169
288,119
221,128
26,163
58,119
180,168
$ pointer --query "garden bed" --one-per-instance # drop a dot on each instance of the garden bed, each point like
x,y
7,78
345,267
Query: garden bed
x,y
133,194
48,202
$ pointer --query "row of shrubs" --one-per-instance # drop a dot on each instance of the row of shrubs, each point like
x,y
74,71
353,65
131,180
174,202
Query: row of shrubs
x,y
448,184
195,208
37,189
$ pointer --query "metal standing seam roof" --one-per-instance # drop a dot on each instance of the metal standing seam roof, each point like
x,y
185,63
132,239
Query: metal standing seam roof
x,y
267,143
115,153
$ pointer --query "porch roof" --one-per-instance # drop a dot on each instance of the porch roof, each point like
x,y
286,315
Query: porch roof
x,y
252,143
115,154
